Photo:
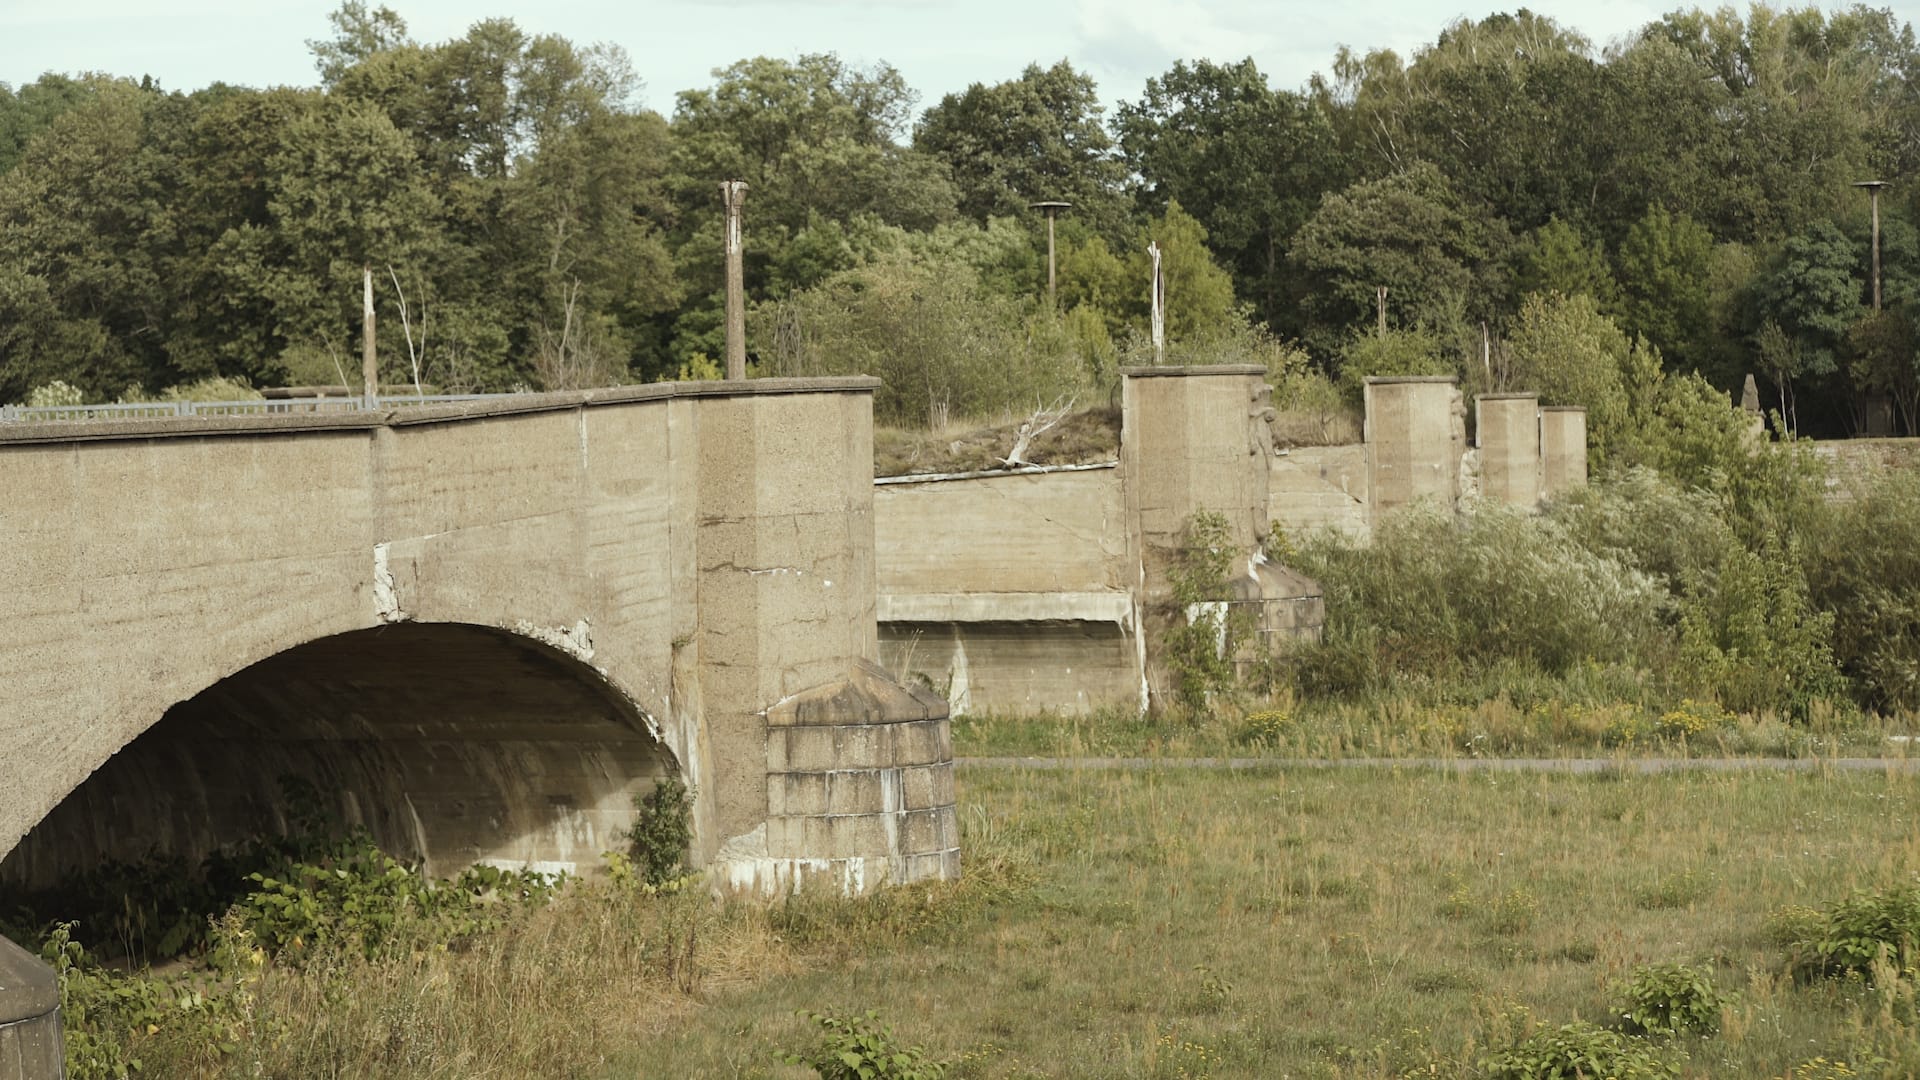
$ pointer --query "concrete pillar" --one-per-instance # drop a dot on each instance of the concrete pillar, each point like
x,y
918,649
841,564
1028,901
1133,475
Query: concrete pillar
x,y
29,1017
1563,449
1416,433
1507,429
1194,440
825,769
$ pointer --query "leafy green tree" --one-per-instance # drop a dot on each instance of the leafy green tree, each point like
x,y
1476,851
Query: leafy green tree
x,y
346,194
1441,262
1666,267
1248,162
1804,94
1199,293
1882,360
1036,137
359,32
1557,257
1095,280
1567,351
78,269
1661,135
808,136
1502,107
815,140
1811,294
30,110
944,347
1416,351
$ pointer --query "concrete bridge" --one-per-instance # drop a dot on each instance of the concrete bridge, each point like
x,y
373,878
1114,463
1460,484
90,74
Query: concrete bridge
x,y
479,630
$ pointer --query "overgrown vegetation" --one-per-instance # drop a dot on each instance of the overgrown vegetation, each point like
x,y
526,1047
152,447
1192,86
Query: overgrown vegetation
x,y
1368,924
1201,641
662,831
863,1048
1750,592
1669,999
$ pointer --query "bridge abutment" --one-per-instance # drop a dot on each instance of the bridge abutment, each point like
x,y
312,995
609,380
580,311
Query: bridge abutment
x,y
480,630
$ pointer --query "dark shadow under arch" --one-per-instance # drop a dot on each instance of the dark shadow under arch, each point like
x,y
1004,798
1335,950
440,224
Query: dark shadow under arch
x,y
452,744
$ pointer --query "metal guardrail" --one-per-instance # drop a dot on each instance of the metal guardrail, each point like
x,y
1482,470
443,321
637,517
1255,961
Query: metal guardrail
x,y
153,410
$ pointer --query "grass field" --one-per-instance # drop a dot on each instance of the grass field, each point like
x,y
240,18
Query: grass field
x,y
1173,923
1408,729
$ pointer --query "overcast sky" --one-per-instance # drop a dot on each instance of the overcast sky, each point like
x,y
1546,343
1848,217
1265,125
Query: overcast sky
x,y
939,45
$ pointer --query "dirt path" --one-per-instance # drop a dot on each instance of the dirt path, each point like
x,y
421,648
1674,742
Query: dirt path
x,y
1581,766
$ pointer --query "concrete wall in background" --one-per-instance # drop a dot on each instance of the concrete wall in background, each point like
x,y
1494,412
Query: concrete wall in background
x,y
1310,488
1047,591
1853,461
1008,592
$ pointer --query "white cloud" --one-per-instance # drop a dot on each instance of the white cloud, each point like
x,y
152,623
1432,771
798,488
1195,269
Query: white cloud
x,y
1145,35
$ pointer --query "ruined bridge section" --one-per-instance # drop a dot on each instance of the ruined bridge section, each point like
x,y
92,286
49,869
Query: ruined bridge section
x,y
480,631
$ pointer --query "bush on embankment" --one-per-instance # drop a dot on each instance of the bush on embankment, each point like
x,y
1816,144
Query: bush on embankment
x,y
1765,596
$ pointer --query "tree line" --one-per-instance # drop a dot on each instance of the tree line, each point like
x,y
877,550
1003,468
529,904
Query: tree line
x,y
1506,197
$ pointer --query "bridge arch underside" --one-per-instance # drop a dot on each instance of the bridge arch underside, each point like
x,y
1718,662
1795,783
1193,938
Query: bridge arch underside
x,y
451,744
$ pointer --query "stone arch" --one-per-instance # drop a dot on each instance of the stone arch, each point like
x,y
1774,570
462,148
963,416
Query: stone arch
x,y
452,743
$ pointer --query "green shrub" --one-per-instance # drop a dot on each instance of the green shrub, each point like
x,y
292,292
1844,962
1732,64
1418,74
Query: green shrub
x,y
359,897
110,1018
1865,928
662,831
56,393
1451,594
1202,629
1668,999
861,1048
1578,1050
1750,635
1863,565
1638,518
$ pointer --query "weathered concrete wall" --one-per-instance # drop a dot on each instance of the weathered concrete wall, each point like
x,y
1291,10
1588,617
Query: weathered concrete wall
x,y
452,745
1039,665
1310,488
1850,462
1053,532
1416,434
1008,593
1563,448
1192,440
1507,429
696,555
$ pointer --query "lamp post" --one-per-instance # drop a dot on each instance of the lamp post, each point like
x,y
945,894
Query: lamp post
x,y
1873,189
1049,208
